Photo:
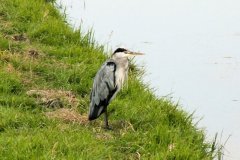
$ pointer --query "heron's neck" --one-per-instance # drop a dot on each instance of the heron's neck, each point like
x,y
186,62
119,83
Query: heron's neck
x,y
122,62
121,71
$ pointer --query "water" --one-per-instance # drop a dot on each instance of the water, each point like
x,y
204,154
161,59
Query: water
x,y
192,52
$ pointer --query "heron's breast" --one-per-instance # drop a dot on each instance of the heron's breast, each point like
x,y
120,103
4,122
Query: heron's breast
x,y
121,75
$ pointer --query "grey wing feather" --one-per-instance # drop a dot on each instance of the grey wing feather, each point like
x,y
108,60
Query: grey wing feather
x,y
103,89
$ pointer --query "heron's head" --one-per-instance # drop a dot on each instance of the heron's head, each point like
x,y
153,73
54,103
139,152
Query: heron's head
x,y
124,53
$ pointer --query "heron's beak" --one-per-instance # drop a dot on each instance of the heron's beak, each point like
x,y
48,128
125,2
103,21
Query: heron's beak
x,y
130,53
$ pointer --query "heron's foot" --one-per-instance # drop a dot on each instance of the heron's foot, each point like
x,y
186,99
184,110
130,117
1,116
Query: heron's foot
x,y
108,128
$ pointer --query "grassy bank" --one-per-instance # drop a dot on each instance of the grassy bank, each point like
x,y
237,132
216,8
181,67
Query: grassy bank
x,y
46,73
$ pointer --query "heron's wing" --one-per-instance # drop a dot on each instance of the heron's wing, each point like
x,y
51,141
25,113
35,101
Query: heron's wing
x,y
103,89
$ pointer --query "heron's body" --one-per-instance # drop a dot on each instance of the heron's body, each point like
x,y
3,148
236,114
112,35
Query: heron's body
x,y
107,83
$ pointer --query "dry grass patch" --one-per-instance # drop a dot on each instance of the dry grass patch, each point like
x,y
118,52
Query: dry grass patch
x,y
104,136
19,37
68,115
54,98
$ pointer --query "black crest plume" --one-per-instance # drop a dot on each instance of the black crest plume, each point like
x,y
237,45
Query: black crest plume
x,y
119,50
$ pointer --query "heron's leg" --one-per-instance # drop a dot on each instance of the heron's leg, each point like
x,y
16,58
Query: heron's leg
x,y
106,119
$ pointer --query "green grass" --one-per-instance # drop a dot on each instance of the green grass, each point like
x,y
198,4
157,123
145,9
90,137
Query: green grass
x,y
144,126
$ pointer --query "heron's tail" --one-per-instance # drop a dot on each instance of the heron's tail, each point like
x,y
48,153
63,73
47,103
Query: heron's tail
x,y
95,111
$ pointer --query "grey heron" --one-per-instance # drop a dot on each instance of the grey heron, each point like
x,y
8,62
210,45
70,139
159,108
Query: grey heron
x,y
108,82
